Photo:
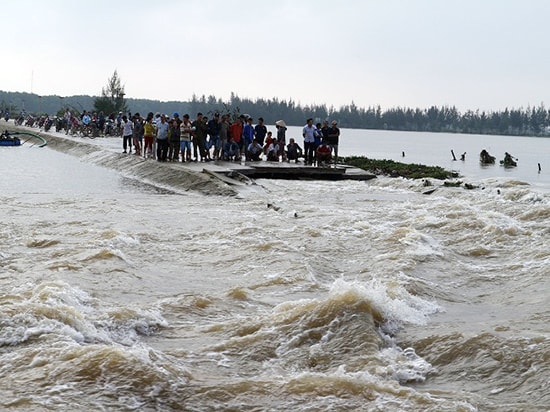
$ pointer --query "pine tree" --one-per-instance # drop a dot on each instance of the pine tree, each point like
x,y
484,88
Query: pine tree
x,y
112,97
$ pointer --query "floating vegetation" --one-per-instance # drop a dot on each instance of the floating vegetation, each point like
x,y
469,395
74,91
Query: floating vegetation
x,y
397,169
456,183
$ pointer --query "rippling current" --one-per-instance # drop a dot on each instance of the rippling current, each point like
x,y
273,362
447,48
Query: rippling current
x,y
121,295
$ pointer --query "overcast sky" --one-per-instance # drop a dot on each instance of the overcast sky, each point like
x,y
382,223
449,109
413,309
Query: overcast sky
x,y
486,54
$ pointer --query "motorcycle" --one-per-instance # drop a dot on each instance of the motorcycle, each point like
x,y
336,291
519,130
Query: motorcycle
x,y
109,129
47,124
30,121
60,123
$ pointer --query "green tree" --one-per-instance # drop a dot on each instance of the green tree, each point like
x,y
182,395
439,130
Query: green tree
x,y
112,97
9,107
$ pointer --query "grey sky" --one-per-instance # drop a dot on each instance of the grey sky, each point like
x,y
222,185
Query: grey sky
x,y
487,54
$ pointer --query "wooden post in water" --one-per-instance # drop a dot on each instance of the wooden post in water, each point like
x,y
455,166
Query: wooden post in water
x,y
453,153
539,168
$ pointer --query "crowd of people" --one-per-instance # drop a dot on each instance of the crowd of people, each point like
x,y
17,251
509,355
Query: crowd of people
x,y
174,138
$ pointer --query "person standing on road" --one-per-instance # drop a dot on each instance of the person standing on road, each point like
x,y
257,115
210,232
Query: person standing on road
x,y
214,127
281,137
138,134
333,137
162,139
260,131
185,138
309,132
149,132
127,134
200,133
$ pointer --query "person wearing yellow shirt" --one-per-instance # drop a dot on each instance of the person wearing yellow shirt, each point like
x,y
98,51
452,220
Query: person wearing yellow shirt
x,y
149,132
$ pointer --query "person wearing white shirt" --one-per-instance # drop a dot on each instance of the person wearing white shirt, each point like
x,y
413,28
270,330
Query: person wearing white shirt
x,y
127,132
309,132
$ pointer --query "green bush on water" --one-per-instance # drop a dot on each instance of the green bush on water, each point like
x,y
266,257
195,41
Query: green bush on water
x,y
397,169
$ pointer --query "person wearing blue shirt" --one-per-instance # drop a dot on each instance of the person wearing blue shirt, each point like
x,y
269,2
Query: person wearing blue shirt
x,y
86,119
248,132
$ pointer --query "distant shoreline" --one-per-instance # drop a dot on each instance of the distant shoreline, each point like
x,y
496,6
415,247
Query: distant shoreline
x,y
530,121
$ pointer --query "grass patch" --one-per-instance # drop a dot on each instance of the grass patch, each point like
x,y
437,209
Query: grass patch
x,y
397,169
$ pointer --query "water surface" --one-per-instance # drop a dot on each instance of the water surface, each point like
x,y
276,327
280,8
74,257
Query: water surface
x,y
119,295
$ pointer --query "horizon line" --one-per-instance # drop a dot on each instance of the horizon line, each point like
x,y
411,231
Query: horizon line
x,y
255,100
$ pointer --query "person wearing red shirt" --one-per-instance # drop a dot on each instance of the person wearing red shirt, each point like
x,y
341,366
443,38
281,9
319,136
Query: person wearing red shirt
x,y
236,132
324,154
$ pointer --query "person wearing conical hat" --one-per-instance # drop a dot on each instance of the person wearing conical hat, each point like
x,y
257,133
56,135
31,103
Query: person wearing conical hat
x,y
281,136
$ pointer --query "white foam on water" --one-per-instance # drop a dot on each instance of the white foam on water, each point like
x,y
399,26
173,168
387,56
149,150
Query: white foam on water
x,y
390,299
57,309
404,365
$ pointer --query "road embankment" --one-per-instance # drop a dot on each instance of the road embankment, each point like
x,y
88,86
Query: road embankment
x,y
174,177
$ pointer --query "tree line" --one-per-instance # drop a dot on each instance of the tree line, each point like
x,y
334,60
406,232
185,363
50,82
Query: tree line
x,y
533,121
530,121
